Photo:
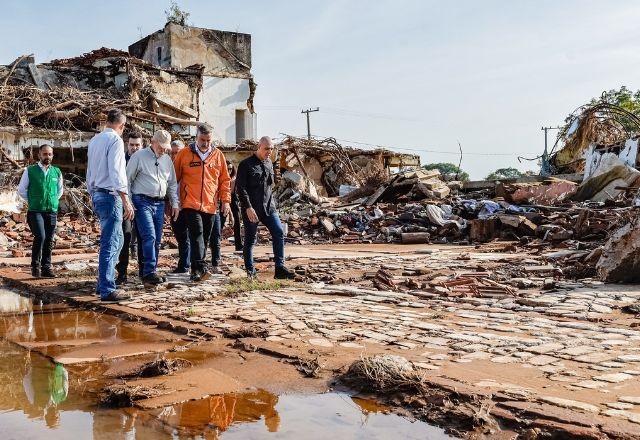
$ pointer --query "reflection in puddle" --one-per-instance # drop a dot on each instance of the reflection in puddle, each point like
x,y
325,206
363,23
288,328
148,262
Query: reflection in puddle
x,y
40,399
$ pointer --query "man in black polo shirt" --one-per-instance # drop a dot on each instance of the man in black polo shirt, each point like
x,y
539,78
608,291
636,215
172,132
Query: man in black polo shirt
x,y
254,190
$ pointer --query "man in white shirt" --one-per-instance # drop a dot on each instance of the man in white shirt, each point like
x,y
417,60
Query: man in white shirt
x,y
41,187
107,184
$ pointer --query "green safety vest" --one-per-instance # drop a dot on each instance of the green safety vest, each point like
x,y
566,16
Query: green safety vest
x,y
43,190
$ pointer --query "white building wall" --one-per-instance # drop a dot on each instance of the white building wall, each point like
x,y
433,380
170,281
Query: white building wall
x,y
219,100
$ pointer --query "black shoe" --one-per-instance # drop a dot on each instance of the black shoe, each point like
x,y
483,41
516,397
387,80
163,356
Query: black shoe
x,y
121,280
251,274
239,248
116,296
153,279
198,276
282,273
46,272
216,270
35,272
180,270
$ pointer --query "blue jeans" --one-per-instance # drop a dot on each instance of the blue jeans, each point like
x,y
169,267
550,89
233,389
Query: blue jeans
x,y
149,221
272,222
109,210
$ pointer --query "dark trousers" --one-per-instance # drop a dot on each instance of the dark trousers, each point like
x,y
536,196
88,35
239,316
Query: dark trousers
x,y
181,233
219,221
216,237
43,226
199,225
235,211
130,234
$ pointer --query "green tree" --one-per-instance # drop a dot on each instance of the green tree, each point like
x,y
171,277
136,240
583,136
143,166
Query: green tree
x,y
448,169
176,15
623,97
505,173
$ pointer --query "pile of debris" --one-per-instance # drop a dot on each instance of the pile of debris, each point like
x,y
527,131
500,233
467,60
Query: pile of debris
x,y
75,94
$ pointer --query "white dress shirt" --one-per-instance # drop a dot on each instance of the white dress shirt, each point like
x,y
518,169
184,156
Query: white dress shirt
x,y
23,186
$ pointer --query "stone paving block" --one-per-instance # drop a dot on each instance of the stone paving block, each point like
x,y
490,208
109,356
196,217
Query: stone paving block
x,y
633,417
593,358
570,404
628,358
590,384
635,400
546,348
542,360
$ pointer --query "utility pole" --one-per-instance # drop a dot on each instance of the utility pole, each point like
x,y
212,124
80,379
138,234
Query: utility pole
x,y
317,109
545,169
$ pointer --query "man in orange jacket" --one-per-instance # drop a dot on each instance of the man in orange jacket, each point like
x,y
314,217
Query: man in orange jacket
x,y
201,171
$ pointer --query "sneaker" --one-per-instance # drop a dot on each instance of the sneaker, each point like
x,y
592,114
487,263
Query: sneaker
x,y
116,296
35,272
121,280
251,274
282,273
196,276
216,270
153,279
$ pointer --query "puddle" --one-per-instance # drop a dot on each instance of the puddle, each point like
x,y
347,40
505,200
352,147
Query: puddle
x,y
43,399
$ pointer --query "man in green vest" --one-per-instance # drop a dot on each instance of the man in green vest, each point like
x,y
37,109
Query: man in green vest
x,y
41,187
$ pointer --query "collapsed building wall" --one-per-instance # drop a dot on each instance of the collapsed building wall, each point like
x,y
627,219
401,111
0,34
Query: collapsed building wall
x,y
227,78
64,103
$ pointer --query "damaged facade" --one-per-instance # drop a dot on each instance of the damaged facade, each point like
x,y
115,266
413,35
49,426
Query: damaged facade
x,y
226,76
172,79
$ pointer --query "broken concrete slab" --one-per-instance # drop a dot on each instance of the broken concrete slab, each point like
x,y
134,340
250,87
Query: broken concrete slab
x,y
620,259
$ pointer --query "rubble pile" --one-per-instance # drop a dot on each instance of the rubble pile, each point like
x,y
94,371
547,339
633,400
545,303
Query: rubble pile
x,y
75,94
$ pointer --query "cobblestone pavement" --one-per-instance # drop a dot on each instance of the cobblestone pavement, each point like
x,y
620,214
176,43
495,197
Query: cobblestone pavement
x,y
564,346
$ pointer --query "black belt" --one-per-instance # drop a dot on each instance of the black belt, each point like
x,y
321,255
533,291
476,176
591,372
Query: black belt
x,y
155,199
102,190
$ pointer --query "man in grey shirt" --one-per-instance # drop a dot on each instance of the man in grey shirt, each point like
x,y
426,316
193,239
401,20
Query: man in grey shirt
x,y
152,178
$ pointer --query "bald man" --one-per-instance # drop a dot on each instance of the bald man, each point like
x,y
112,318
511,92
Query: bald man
x,y
254,187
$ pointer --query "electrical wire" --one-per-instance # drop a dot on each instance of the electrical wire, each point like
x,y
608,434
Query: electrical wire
x,y
422,150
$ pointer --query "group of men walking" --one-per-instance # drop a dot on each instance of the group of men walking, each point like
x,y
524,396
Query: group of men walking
x,y
132,190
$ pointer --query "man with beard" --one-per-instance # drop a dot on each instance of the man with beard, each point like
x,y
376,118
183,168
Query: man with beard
x,y
41,187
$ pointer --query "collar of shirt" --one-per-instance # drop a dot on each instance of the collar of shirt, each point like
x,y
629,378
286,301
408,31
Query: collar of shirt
x,y
44,168
204,154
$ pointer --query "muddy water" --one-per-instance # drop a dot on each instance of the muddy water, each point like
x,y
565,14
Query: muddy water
x,y
42,399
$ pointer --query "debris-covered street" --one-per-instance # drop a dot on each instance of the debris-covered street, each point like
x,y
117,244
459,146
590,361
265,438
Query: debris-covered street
x,y
171,269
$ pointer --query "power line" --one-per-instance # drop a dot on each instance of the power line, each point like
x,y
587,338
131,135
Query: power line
x,y
423,150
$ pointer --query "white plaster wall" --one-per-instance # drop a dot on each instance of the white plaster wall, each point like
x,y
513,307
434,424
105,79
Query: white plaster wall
x,y
14,143
219,100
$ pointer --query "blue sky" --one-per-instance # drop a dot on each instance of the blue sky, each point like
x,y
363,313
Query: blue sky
x,y
416,76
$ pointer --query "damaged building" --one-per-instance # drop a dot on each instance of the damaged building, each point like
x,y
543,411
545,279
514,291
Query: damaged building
x,y
172,79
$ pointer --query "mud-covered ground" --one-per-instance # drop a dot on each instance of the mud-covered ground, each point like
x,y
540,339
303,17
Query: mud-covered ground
x,y
525,352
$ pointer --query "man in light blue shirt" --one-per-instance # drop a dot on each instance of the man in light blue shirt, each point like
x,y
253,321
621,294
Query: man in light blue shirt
x,y
107,185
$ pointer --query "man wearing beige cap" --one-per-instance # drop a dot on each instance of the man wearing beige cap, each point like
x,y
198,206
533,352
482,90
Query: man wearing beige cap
x,y
151,178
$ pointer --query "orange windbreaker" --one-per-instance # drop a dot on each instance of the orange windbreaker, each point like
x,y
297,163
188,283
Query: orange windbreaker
x,y
202,184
